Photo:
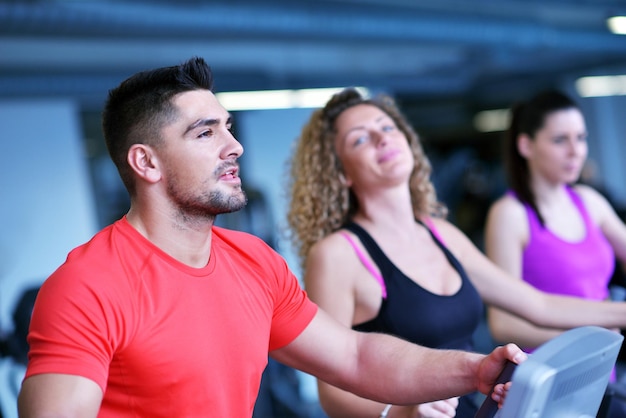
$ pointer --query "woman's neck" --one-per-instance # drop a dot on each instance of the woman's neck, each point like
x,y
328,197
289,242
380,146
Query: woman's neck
x,y
391,210
548,194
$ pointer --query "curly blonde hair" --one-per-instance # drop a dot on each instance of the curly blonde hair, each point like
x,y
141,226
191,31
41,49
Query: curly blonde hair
x,y
319,202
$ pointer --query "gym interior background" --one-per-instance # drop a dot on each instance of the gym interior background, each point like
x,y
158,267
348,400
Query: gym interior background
x,y
454,66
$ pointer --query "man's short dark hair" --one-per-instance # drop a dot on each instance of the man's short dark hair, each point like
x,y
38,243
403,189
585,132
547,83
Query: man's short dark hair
x,y
136,110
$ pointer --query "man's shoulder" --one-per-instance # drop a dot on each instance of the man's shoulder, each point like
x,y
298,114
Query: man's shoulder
x,y
95,258
236,238
242,245
96,248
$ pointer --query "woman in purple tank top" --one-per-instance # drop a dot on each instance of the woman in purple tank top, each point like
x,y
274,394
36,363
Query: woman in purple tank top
x,y
379,255
559,236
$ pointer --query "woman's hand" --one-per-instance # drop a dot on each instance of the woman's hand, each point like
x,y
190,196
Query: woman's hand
x,y
438,409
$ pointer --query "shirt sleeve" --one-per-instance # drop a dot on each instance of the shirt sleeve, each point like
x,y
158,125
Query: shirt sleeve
x,y
69,331
293,310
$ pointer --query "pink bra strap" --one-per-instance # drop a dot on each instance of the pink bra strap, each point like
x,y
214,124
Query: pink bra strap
x,y
429,223
367,264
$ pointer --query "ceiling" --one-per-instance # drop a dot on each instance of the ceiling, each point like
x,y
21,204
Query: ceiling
x,y
438,56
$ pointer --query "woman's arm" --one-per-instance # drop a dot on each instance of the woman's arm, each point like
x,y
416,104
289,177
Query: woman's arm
x,y
506,327
604,215
506,234
499,288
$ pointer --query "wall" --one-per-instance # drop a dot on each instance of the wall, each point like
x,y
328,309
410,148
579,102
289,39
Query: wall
x,y
607,142
47,205
268,136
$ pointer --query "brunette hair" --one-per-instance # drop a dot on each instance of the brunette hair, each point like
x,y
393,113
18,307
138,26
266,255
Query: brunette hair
x,y
528,118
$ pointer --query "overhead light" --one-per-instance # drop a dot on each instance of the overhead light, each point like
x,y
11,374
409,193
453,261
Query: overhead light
x,y
597,86
492,120
279,99
617,24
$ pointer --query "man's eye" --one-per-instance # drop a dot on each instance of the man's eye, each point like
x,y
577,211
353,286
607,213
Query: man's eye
x,y
208,132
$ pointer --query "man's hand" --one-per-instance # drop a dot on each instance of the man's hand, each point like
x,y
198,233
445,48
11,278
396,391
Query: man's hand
x,y
493,364
499,393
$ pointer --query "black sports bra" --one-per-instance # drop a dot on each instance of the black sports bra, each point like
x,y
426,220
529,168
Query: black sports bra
x,y
415,314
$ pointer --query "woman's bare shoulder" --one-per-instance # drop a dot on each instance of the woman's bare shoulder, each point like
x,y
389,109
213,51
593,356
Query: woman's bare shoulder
x,y
507,208
589,194
335,250
596,204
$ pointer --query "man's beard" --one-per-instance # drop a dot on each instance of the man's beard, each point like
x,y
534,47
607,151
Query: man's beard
x,y
208,205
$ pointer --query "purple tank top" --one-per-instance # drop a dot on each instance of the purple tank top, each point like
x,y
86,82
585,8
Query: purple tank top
x,y
581,269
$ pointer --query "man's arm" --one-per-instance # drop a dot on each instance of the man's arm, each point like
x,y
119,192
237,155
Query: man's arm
x,y
388,369
59,396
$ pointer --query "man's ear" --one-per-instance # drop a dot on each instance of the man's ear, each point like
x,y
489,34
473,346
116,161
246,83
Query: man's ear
x,y
524,145
144,162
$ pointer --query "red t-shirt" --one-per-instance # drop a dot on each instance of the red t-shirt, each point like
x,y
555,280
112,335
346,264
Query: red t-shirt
x,y
163,339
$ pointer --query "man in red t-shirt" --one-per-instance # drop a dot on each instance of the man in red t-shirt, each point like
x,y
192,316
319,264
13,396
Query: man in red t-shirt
x,y
163,314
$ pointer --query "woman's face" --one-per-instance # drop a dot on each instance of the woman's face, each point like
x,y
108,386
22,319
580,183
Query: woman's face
x,y
371,148
558,150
